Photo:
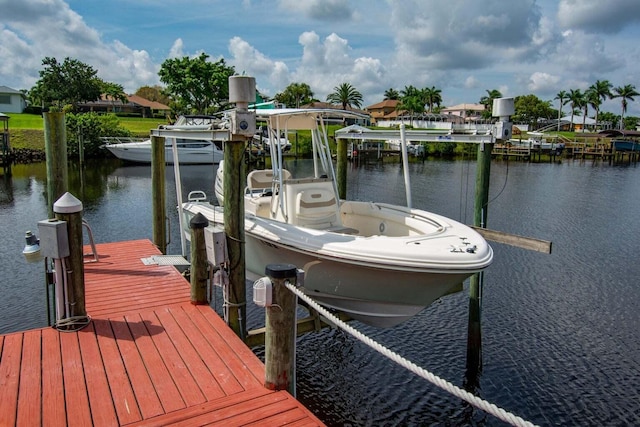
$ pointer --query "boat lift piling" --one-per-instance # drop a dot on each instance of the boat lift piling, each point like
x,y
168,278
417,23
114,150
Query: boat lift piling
x,y
158,193
55,144
242,91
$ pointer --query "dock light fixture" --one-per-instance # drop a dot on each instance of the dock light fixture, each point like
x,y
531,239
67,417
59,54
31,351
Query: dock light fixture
x,y
31,249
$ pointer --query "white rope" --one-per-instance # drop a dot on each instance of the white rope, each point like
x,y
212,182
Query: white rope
x,y
479,403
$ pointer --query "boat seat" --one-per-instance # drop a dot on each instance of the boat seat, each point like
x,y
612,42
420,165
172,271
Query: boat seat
x,y
261,180
316,208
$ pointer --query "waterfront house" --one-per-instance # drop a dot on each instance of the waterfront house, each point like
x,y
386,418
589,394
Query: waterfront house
x,y
11,100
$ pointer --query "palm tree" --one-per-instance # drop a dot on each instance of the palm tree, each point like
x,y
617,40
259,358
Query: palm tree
x,y
562,97
626,92
411,100
347,95
575,99
432,96
391,93
487,101
601,90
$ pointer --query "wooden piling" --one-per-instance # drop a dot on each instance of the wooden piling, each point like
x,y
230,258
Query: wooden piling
x,y
55,144
341,168
199,264
158,193
68,208
280,333
474,337
234,182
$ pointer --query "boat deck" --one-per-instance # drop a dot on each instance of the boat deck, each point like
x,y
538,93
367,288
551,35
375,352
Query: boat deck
x,y
149,357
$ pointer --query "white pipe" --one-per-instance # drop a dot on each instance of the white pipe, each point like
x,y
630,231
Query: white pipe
x,y
405,165
176,170
61,294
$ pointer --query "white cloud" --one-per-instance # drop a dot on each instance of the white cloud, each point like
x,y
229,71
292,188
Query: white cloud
x,y
597,16
543,82
322,10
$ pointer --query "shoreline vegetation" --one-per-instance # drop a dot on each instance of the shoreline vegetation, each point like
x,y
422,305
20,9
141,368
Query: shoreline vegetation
x,y
27,135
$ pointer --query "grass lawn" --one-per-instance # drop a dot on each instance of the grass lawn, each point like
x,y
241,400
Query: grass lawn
x,y
138,126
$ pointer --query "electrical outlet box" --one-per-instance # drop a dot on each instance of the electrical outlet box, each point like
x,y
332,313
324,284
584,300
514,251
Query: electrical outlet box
x,y
243,123
54,240
215,241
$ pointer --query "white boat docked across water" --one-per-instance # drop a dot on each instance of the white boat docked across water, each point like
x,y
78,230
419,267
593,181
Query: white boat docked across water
x,y
190,151
379,263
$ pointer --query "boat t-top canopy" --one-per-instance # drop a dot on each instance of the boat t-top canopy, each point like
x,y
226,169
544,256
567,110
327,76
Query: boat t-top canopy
x,y
304,119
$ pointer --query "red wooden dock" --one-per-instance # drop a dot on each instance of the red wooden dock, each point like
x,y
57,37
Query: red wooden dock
x,y
148,358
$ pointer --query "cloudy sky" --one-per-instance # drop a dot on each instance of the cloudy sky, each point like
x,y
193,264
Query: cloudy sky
x,y
462,47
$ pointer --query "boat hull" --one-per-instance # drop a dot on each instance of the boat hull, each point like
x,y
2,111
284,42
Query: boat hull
x,y
626,145
140,152
381,281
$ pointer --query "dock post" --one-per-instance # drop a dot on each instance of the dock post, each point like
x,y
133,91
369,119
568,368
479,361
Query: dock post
x,y
341,168
68,208
55,144
199,263
280,335
242,91
158,193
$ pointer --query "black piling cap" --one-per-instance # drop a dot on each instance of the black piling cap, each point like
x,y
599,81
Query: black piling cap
x,y
198,221
280,271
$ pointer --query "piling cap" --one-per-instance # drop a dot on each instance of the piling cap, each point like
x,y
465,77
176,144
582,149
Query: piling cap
x,y
198,221
280,271
67,203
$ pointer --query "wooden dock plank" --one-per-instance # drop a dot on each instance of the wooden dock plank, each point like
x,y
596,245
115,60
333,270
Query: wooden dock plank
x,y
122,394
168,393
183,380
198,336
9,376
75,391
102,408
53,406
198,369
141,383
30,394
148,357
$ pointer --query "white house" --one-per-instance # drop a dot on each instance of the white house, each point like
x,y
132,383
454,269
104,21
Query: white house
x,y
11,100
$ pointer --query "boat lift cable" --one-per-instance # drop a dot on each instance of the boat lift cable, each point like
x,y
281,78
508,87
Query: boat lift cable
x,y
470,398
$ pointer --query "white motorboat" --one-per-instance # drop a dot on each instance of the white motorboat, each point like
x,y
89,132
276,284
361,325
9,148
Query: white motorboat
x,y
190,151
379,263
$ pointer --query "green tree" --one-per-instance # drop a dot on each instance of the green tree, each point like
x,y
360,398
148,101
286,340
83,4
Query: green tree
x,y
68,83
412,101
391,94
196,85
153,93
575,99
346,95
601,90
626,93
87,128
432,96
295,95
487,101
530,108
562,98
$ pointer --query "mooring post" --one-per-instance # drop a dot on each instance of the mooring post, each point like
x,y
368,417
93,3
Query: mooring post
x,y
158,193
280,334
242,91
199,263
341,168
69,209
55,145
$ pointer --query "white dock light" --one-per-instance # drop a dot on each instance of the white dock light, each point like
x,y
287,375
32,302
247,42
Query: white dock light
x,y
242,91
31,249
503,108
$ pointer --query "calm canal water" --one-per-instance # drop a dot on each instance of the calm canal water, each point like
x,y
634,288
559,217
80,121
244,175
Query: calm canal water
x,y
560,332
